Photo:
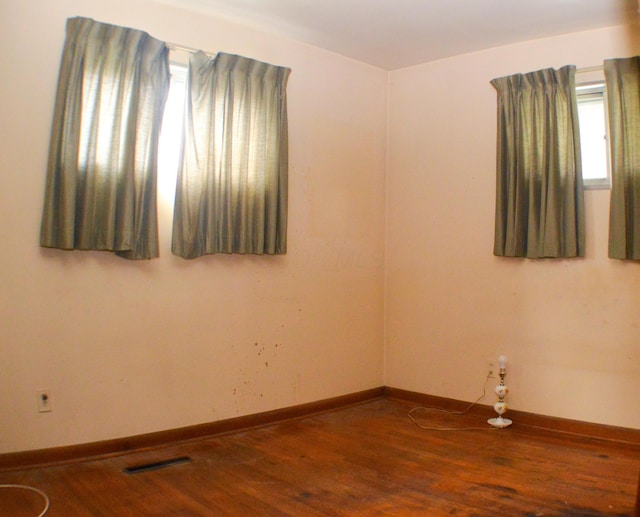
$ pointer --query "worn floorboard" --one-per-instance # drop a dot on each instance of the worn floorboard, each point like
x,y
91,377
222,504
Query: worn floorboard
x,y
369,459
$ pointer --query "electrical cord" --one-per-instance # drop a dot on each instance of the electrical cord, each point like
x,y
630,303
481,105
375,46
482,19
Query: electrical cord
x,y
457,413
40,492
410,415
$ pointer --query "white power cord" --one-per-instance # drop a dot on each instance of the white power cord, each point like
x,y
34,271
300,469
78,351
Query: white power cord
x,y
32,489
484,392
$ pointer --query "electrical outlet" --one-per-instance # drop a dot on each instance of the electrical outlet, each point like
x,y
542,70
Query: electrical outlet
x,y
44,401
491,369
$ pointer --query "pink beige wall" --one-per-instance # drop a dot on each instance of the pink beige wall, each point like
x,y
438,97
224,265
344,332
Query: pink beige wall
x,y
570,328
129,348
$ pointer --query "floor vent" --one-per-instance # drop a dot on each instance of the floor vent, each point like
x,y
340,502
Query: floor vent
x,y
157,465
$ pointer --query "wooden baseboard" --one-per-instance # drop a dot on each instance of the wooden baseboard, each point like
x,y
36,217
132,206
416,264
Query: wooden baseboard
x,y
522,419
81,452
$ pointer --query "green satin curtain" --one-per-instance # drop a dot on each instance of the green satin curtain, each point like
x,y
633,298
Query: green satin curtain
x,y
623,93
101,176
539,192
232,188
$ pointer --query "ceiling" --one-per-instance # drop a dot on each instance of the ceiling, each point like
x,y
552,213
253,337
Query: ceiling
x,y
392,34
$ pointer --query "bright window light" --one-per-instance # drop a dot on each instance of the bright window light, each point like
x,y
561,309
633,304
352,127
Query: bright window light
x,y
593,135
171,136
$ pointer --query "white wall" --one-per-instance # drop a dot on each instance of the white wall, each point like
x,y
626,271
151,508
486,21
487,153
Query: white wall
x,y
135,347
569,327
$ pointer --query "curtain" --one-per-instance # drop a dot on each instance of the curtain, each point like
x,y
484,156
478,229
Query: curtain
x,y
622,78
231,192
539,192
101,177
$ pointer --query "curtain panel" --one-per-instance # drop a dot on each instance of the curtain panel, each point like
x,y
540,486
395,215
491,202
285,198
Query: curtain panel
x,y
232,188
539,193
622,78
101,176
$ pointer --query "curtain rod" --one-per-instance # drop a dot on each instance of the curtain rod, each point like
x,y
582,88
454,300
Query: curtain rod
x,y
189,50
587,69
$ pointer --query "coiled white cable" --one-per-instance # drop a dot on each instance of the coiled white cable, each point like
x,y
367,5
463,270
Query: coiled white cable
x,y
40,492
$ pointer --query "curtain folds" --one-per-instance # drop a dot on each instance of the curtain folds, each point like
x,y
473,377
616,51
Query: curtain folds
x,y
539,192
232,188
101,177
622,78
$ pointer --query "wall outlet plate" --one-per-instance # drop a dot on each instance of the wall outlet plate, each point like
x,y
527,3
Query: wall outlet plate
x,y
492,369
44,401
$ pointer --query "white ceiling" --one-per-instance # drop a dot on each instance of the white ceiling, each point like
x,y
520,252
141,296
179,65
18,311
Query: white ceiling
x,y
393,34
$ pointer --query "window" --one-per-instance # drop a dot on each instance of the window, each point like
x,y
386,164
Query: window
x,y
228,131
593,135
171,135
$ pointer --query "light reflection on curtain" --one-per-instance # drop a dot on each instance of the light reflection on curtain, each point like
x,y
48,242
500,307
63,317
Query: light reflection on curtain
x,y
623,93
539,193
231,193
101,177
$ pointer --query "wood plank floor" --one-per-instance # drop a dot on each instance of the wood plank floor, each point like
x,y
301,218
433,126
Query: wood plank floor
x,y
369,459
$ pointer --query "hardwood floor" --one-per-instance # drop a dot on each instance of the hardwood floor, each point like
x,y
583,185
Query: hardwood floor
x,y
369,459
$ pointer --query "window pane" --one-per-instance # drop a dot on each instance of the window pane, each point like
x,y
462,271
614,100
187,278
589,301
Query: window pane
x,y
171,136
593,139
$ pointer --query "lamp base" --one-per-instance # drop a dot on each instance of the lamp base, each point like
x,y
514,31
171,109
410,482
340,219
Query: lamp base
x,y
499,422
